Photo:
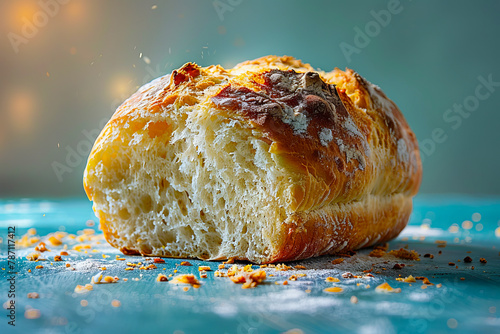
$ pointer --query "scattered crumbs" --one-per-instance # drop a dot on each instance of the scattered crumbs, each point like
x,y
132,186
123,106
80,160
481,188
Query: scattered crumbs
x,y
83,288
247,277
405,254
186,263
282,267
409,279
377,253
161,278
347,275
32,313
33,295
332,279
186,279
41,247
424,280
100,279
468,259
338,261
204,268
483,260
386,288
451,263
334,289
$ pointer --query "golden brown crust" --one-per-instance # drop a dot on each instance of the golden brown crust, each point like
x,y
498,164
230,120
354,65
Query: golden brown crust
x,y
359,224
352,157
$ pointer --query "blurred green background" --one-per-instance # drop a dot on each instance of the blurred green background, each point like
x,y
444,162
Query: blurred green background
x,y
66,65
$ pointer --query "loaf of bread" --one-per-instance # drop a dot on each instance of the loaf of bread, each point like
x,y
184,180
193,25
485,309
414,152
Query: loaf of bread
x,y
268,161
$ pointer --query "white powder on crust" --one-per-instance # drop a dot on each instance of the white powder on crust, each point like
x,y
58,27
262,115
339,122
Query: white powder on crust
x,y
403,154
325,136
296,119
352,128
351,153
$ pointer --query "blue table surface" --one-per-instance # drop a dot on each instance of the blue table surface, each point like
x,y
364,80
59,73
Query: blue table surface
x,y
467,301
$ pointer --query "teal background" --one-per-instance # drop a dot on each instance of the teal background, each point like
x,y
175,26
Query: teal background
x,y
68,77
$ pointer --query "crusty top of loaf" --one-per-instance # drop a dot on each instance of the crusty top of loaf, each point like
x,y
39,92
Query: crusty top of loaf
x,y
336,129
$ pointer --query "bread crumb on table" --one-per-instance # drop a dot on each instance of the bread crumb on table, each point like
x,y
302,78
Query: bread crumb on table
x,y
332,279
33,295
161,278
385,287
333,289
